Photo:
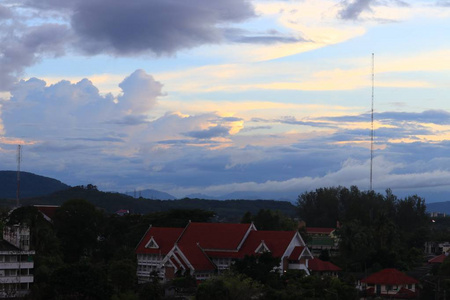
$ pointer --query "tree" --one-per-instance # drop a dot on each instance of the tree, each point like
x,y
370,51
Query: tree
x,y
122,275
259,267
77,224
229,286
80,280
267,219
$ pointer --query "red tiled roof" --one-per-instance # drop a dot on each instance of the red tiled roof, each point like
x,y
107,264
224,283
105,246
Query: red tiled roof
x,y
48,210
220,236
165,237
276,241
389,277
317,230
295,255
318,265
405,294
198,259
438,259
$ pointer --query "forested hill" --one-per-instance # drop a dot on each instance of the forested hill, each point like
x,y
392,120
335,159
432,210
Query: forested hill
x,y
226,210
31,185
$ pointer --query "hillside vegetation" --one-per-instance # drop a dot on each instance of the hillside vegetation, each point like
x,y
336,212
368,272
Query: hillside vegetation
x,y
31,185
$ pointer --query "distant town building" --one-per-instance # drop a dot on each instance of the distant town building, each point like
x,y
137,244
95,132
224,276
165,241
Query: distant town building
x,y
16,262
437,215
205,249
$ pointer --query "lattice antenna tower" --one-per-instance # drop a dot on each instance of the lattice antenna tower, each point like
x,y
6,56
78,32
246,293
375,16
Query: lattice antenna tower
x,y
372,131
19,160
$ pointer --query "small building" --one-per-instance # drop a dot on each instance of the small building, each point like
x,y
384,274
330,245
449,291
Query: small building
x,y
322,239
323,268
390,283
438,259
205,249
16,262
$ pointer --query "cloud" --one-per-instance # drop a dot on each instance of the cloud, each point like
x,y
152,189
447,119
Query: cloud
x,y
78,110
140,92
159,27
5,12
352,9
215,131
23,46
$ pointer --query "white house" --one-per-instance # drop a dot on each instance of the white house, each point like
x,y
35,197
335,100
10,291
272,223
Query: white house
x,y
205,249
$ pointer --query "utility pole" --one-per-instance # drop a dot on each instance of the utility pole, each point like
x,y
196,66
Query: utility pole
x,y
371,135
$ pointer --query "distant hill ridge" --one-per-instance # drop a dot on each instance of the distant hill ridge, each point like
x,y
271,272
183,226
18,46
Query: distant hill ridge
x,y
36,189
31,185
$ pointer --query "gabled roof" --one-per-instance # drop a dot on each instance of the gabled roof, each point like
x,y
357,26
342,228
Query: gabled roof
x,y
48,211
296,253
389,277
164,237
276,241
220,236
319,230
197,257
318,265
438,259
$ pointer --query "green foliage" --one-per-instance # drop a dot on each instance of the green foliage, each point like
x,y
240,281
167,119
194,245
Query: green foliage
x,y
298,286
229,286
122,275
80,280
77,224
151,291
267,219
258,267
376,229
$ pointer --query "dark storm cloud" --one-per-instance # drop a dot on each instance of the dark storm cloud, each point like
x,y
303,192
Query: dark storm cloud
x,y
291,120
18,51
130,120
212,132
231,119
112,27
439,117
101,139
5,12
352,9
270,37
158,26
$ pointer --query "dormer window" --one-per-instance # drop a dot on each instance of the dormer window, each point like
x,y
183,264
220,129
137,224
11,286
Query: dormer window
x,y
262,248
152,244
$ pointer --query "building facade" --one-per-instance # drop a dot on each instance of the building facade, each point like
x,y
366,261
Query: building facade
x,y
205,249
16,262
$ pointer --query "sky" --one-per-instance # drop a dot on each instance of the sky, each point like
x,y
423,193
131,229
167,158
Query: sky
x,y
265,98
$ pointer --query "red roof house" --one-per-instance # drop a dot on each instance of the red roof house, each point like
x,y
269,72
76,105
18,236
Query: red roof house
x,y
319,266
202,249
390,283
438,259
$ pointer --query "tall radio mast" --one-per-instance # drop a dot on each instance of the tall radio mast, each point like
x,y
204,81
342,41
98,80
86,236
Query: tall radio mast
x,y
371,135
19,159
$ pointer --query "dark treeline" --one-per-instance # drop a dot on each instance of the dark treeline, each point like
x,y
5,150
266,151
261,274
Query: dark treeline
x,y
375,231
88,254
